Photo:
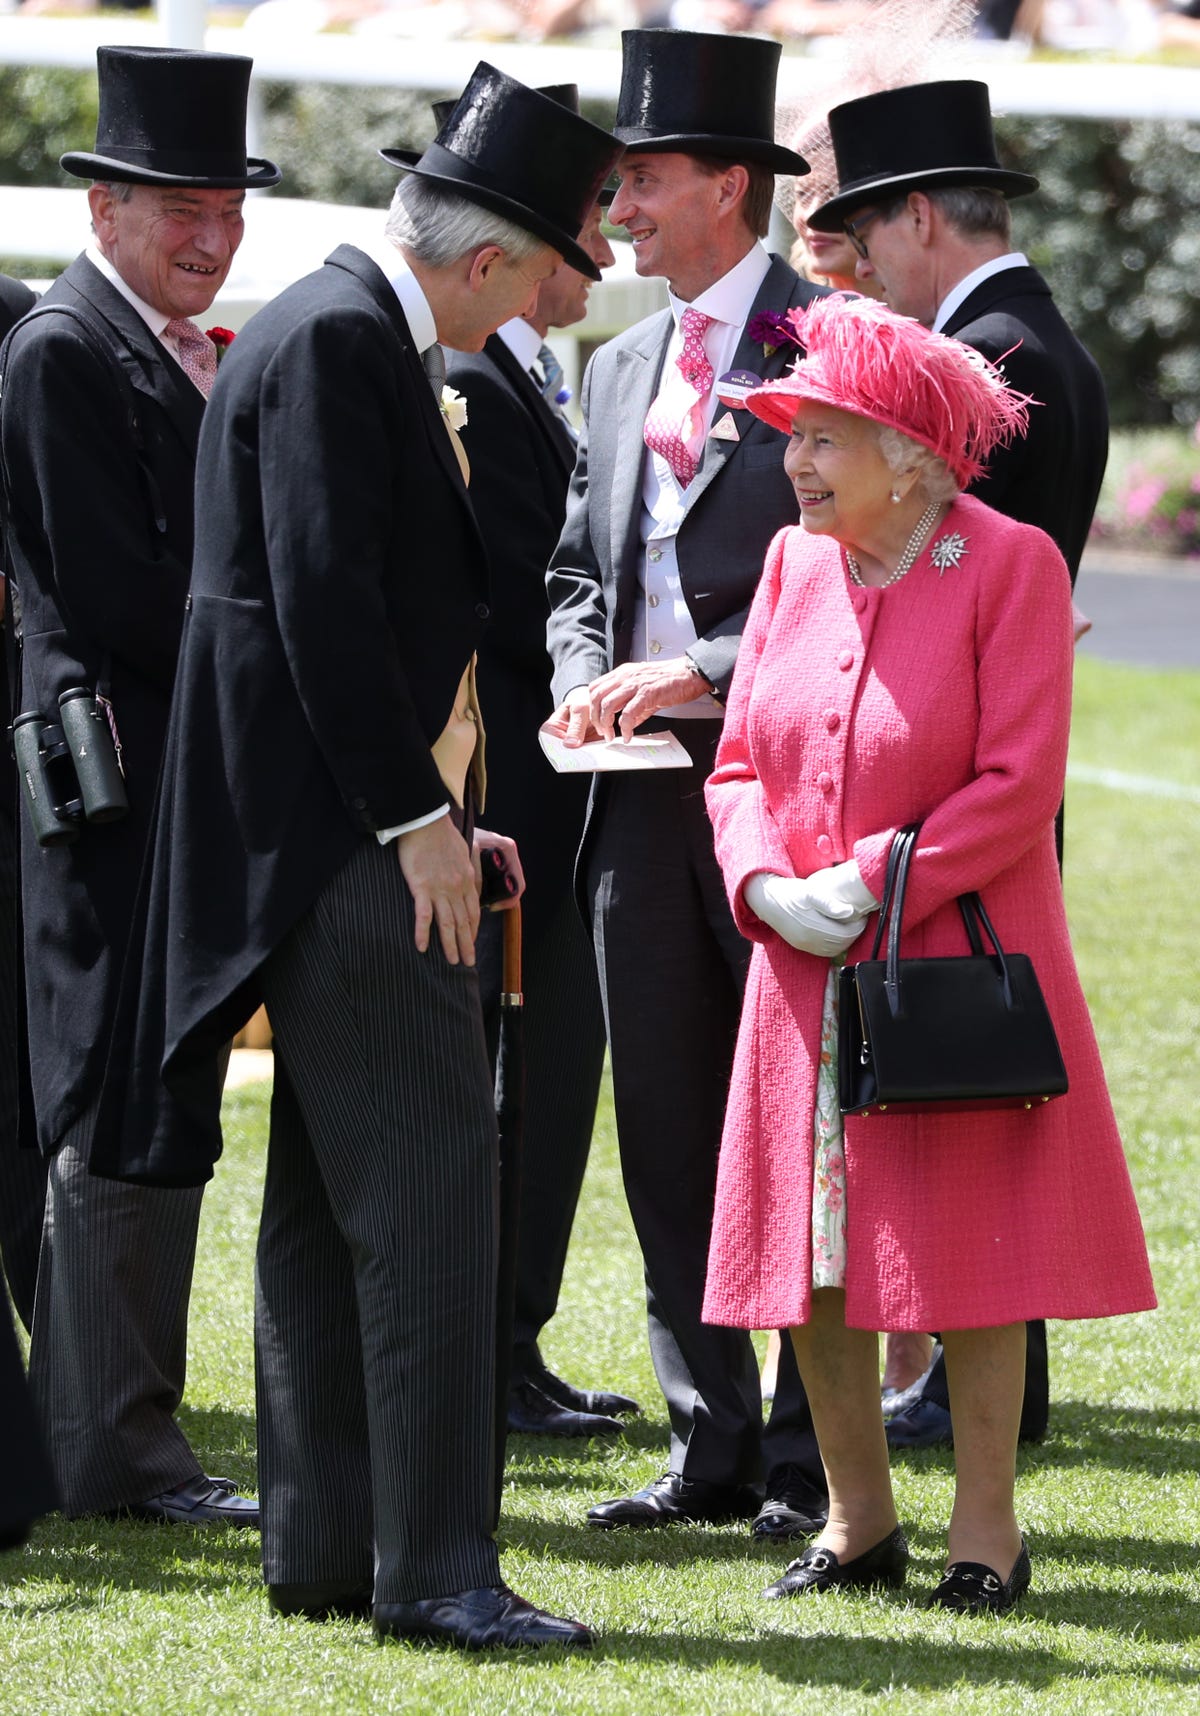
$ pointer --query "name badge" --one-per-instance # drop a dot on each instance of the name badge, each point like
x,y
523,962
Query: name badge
x,y
734,385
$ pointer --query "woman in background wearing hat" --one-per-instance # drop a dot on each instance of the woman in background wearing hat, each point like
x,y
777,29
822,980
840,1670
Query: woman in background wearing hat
x,y
908,658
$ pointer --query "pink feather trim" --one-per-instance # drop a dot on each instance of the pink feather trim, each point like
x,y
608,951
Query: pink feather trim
x,y
863,358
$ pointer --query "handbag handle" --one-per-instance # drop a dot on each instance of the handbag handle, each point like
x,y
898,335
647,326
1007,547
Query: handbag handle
x,y
891,911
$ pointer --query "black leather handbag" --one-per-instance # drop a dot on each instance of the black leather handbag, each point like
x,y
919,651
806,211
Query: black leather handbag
x,y
931,1035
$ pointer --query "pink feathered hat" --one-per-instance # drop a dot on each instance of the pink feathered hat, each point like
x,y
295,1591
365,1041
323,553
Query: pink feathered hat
x,y
864,358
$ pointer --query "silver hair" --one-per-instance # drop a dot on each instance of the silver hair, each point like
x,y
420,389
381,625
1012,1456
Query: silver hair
x,y
974,211
120,190
902,453
438,227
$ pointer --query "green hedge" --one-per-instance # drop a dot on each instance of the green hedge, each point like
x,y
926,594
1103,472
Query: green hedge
x,y
1115,225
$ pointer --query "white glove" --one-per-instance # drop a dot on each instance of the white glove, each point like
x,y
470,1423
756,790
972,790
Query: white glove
x,y
811,919
841,886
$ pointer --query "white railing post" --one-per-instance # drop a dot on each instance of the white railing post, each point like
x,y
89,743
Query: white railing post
x,y
182,22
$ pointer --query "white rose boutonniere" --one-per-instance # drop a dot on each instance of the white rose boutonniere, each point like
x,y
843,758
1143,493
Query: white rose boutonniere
x,y
454,408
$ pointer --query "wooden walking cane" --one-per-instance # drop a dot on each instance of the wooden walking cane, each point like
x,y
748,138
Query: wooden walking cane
x,y
510,1094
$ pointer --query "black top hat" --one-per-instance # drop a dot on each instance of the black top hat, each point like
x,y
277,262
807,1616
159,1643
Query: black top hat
x,y
566,94
701,94
528,158
918,137
172,117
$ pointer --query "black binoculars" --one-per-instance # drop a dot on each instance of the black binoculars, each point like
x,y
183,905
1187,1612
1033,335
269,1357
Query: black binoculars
x,y
69,770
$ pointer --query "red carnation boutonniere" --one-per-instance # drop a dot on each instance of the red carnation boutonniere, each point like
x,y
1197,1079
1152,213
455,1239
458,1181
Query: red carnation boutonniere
x,y
773,330
222,338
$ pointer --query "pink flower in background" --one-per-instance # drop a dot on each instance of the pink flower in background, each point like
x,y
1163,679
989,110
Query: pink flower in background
x,y
1141,500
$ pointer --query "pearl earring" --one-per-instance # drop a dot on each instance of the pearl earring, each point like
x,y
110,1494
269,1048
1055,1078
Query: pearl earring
x,y
895,497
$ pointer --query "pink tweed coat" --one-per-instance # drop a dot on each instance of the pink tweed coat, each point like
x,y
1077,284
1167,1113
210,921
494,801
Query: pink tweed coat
x,y
944,698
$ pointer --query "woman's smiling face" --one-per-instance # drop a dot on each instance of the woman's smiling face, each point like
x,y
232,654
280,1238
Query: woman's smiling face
x,y
842,481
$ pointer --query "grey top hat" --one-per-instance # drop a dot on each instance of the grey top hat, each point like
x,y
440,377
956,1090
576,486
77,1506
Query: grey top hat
x,y
171,117
923,136
527,157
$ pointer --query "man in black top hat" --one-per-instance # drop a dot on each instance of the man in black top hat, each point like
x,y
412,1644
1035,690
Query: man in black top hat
x,y
521,446
99,423
924,200
315,852
674,500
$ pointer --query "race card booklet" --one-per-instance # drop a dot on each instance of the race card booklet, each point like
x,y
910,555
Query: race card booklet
x,y
600,756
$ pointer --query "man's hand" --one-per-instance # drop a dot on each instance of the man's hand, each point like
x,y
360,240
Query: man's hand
x,y
487,842
572,720
438,868
638,689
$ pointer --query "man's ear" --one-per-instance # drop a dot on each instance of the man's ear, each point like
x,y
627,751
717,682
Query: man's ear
x,y
483,264
920,212
735,182
101,202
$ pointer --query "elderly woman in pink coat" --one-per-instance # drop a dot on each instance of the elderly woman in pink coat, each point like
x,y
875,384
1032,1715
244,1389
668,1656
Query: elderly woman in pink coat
x,y
907,659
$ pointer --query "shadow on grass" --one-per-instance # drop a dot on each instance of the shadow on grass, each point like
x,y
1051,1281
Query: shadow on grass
x,y
1002,1657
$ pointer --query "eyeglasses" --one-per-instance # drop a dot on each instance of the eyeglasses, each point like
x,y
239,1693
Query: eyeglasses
x,y
855,228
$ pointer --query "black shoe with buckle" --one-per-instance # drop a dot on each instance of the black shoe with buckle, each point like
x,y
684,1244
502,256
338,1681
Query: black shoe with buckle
x,y
970,1588
796,1506
820,1569
673,1500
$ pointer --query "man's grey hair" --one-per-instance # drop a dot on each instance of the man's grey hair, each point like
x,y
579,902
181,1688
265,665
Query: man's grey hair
x,y
902,453
438,227
120,190
970,209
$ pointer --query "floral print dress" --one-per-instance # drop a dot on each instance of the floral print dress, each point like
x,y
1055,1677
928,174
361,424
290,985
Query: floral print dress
x,y
829,1157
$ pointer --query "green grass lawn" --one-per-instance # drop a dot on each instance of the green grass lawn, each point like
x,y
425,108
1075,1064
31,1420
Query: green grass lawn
x,y
123,1618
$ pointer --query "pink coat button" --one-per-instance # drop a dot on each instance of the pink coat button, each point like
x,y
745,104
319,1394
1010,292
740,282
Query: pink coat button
x,y
824,845
846,660
832,720
825,781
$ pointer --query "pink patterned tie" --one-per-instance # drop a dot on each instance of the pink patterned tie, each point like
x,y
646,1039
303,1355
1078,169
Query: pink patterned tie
x,y
197,354
675,421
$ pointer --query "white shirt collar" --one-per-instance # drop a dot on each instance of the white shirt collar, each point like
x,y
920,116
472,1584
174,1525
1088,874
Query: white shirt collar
x,y
154,319
523,341
729,299
404,283
959,294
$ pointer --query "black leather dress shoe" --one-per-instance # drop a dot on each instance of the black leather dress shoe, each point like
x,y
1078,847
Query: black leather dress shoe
x,y
924,1425
795,1506
532,1413
201,1501
820,1569
970,1588
672,1500
598,1400
323,1600
490,1618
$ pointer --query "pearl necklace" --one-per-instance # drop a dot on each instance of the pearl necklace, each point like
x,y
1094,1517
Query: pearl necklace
x,y
915,544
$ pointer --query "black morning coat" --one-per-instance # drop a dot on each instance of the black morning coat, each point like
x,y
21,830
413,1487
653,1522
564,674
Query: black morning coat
x,y
339,588
521,457
100,544
1050,477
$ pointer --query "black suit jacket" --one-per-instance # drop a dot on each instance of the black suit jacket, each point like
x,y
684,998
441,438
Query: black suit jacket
x,y
739,498
100,541
339,589
521,457
1050,477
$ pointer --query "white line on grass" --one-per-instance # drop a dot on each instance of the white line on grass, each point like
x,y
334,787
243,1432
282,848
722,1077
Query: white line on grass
x,y
1147,784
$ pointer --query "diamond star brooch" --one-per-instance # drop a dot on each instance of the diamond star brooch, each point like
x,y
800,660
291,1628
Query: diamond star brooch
x,y
948,550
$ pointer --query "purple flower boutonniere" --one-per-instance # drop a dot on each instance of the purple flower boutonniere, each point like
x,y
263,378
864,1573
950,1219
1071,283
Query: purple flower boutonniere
x,y
773,330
